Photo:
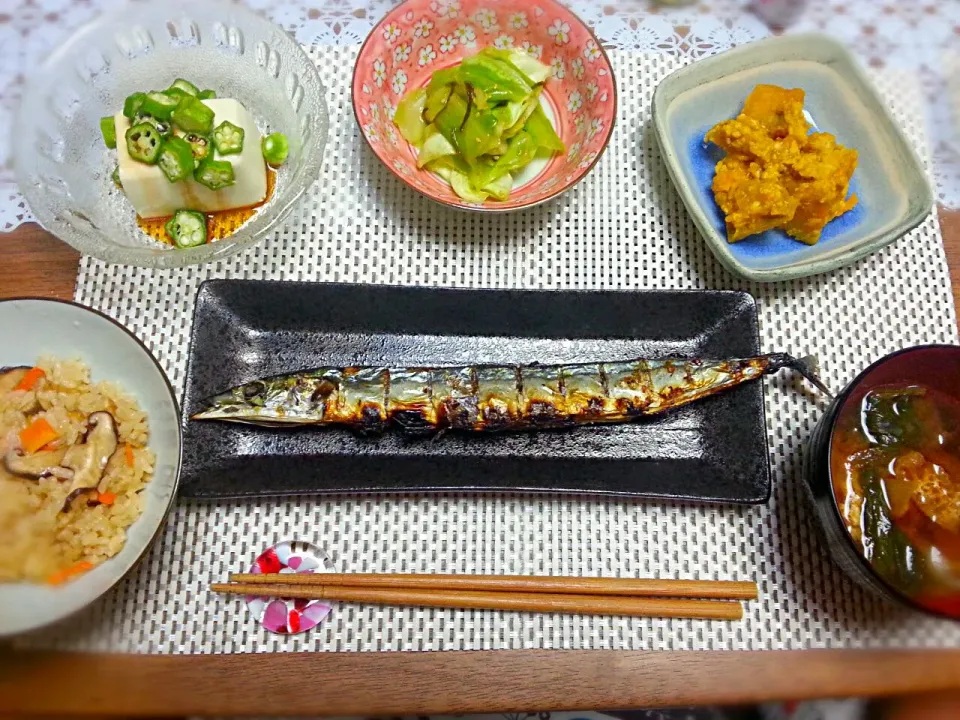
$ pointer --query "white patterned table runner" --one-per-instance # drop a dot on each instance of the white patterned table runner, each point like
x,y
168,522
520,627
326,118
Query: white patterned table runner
x,y
623,227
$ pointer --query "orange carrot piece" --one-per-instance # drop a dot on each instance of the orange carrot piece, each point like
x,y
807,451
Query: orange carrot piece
x,y
37,434
106,498
30,379
58,578
128,455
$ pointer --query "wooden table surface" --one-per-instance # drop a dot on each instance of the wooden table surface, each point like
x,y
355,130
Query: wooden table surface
x,y
37,264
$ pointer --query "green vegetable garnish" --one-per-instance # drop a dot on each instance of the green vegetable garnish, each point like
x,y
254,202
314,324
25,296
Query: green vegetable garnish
x,y
174,94
207,94
159,105
214,174
187,228
199,144
479,123
275,149
144,143
184,86
162,126
109,131
176,159
131,106
228,138
191,115
115,176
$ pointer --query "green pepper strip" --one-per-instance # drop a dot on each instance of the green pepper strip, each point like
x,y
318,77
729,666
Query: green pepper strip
x,y
214,174
187,228
109,131
176,159
158,104
131,106
191,115
207,94
185,86
144,143
275,149
228,138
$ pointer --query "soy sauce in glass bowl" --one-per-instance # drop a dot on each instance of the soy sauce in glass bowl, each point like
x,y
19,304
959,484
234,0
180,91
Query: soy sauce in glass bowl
x,y
883,467
63,168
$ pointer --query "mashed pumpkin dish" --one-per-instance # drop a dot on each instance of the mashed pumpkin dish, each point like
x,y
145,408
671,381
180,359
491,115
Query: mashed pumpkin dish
x,y
776,173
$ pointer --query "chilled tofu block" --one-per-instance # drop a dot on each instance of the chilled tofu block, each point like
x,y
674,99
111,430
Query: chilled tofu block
x,y
154,196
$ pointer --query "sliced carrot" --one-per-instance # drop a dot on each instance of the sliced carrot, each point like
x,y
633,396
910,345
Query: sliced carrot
x,y
37,434
128,455
30,379
106,498
58,578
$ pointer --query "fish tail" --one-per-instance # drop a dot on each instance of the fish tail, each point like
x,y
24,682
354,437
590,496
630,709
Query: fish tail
x,y
807,366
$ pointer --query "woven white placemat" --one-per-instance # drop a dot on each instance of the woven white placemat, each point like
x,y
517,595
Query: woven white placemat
x,y
623,227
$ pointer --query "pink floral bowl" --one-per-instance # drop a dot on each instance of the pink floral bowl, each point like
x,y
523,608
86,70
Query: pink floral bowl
x,y
419,37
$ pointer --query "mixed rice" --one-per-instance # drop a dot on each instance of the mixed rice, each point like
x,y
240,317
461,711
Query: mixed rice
x,y
46,537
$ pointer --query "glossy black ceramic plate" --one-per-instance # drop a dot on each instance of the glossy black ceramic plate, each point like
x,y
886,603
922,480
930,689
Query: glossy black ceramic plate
x,y
712,450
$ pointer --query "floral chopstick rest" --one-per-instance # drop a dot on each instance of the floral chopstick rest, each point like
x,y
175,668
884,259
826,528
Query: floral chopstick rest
x,y
289,616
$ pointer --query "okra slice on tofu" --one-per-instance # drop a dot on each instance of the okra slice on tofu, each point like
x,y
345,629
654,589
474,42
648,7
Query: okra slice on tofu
x,y
275,149
162,126
228,138
187,228
159,105
144,143
176,159
214,174
109,131
191,115
131,106
184,86
200,144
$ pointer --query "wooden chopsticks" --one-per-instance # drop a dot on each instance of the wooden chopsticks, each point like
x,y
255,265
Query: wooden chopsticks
x,y
639,587
634,597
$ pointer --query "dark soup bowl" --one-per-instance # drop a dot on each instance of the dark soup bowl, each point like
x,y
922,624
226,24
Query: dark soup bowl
x,y
883,465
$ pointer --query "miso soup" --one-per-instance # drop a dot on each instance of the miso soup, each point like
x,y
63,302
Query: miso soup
x,y
895,468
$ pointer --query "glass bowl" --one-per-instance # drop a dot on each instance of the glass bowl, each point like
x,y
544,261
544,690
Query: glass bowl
x,y
62,166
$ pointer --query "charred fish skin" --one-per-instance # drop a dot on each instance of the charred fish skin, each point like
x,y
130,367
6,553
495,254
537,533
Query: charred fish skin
x,y
488,398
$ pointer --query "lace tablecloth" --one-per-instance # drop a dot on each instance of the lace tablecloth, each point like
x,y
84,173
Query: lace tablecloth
x,y
921,36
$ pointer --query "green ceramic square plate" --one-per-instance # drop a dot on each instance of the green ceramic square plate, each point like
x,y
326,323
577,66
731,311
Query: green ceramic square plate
x,y
890,181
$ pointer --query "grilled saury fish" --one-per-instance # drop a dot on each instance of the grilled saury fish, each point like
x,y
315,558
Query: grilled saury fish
x,y
426,400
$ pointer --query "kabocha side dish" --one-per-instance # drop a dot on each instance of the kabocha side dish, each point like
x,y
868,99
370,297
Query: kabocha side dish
x,y
479,123
478,398
73,462
895,468
192,165
776,173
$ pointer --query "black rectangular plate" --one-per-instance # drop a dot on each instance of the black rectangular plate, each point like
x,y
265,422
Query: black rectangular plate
x,y
712,450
